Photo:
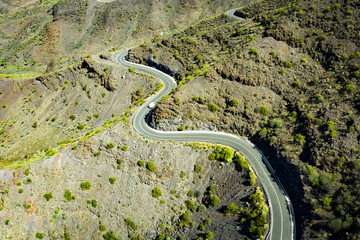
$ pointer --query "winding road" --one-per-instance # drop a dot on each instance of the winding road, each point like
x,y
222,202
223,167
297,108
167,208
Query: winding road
x,y
282,219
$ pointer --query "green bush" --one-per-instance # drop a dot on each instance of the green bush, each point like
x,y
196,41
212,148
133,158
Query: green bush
x,y
138,92
124,148
102,228
182,174
234,102
201,208
198,168
85,185
21,190
303,60
110,145
96,115
232,207
156,192
221,153
212,107
214,201
264,110
110,236
190,205
94,203
253,51
150,166
68,195
72,117
140,163
209,235
185,219
67,236
35,124
48,196
131,224
81,126
39,235
282,71
161,237
181,128
112,180
131,69
288,64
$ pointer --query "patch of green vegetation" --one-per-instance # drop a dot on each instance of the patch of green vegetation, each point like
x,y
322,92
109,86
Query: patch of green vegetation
x,y
112,180
222,153
131,224
68,195
85,186
156,192
150,166
48,196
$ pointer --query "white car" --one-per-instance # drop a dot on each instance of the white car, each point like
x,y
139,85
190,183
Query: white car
x,y
151,105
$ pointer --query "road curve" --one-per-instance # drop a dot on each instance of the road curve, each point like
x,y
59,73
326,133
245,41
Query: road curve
x,y
281,223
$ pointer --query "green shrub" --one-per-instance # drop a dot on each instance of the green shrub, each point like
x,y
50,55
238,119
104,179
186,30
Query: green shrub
x,y
94,203
253,51
264,110
190,205
96,115
330,125
28,180
124,148
234,102
201,227
201,208
140,163
68,195
282,71
138,92
131,69
112,180
214,201
300,138
106,68
110,145
161,237
303,60
212,107
102,228
182,174
7,222
72,117
67,236
332,134
232,207
35,124
150,166
110,236
39,235
221,153
27,172
48,196
81,126
21,190
209,235
198,168
131,224
85,185
322,37
350,88
181,128
288,64
156,192
185,219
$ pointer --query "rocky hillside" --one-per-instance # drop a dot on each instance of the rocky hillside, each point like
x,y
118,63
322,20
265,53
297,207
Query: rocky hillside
x,y
286,77
39,36
117,184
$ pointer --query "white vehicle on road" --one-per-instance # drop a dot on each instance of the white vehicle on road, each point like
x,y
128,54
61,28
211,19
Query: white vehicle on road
x,y
152,105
